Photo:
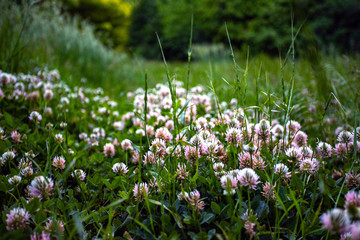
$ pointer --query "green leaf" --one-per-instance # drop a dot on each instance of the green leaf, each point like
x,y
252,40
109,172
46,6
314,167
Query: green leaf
x,y
207,218
216,208
9,119
296,183
33,205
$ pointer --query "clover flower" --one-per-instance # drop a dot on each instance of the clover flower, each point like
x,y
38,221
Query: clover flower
x,y
126,145
345,137
120,168
308,165
300,139
194,201
282,170
27,171
8,156
109,150
341,150
55,226
15,137
248,177
292,127
79,173
353,180
164,134
268,191
191,154
40,187
140,191
181,171
59,138
262,129
233,135
35,116
59,162
15,180
17,218
43,236
229,183
335,220
324,150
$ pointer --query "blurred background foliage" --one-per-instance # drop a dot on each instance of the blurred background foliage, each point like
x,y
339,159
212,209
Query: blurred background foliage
x,y
264,26
111,18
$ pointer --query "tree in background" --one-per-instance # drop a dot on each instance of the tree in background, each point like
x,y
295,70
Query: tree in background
x,y
264,26
111,17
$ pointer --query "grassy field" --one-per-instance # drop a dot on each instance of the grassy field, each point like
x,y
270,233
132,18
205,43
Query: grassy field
x,y
96,144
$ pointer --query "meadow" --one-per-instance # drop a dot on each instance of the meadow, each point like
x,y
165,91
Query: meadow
x,y
95,144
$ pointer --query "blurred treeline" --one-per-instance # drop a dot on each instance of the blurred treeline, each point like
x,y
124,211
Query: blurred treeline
x,y
329,26
264,26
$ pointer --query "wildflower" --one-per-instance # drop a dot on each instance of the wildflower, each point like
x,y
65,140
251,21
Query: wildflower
x,y
219,169
109,150
282,170
40,187
229,184
293,153
191,154
335,220
292,127
140,191
309,165
15,180
27,171
42,236
183,196
158,147
353,180
262,129
48,111
35,116
17,218
249,225
80,174
63,124
194,200
352,204
300,139
248,177
120,168
277,130
164,134
345,137
126,145
135,157
59,162
59,138
268,191
140,132
181,171
234,123
233,135
306,152
341,150
48,94
15,137
247,160
357,134
250,147
324,150
8,156
55,226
